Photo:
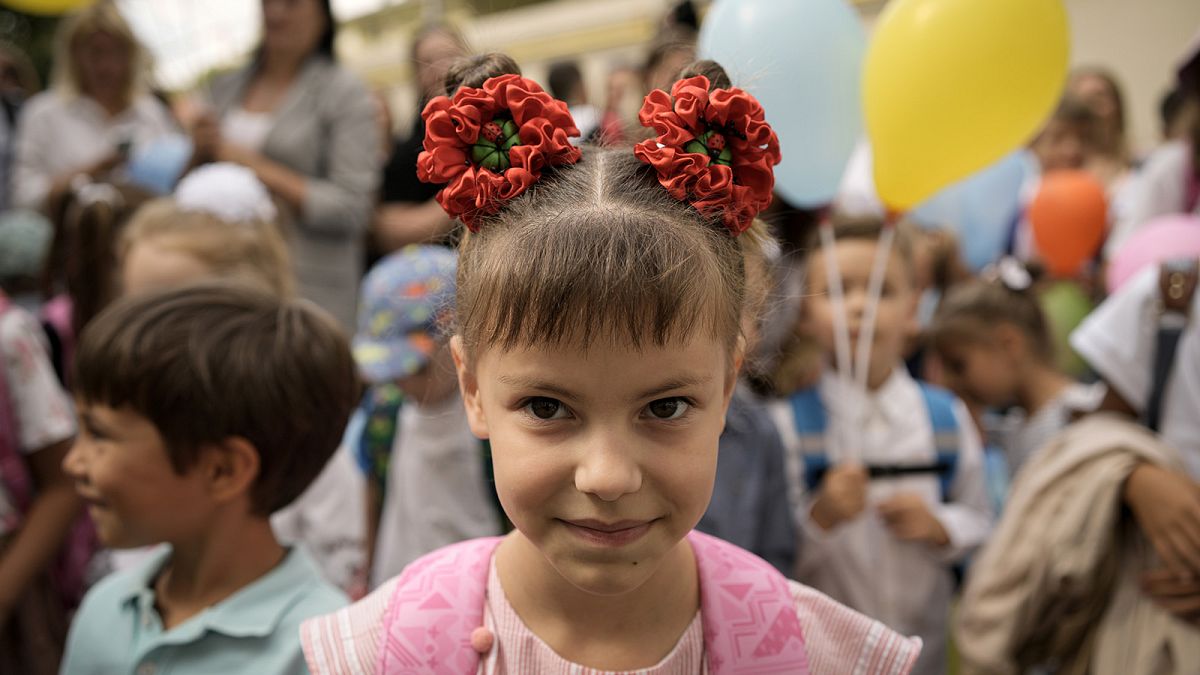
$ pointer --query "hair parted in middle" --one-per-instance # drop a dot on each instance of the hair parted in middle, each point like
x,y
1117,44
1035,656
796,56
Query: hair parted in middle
x,y
597,246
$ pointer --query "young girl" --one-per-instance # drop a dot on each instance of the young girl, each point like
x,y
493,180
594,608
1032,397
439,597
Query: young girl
x,y
219,223
597,347
997,351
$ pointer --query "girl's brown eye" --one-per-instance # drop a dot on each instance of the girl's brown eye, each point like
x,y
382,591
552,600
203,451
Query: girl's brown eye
x,y
668,408
544,408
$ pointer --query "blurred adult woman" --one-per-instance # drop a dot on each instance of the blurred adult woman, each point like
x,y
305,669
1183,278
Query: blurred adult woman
x,y
307,128
98,109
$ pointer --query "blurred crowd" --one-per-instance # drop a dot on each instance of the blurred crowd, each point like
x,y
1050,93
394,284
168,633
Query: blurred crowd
x,y
1016,483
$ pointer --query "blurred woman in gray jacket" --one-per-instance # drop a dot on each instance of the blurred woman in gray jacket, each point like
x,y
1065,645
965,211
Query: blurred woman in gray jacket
x,y
308,130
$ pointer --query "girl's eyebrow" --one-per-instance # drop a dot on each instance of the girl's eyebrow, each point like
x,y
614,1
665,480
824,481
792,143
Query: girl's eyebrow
x,y
673,384
681,382
539,385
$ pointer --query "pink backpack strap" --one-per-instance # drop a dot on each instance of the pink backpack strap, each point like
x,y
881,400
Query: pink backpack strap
x,y
750,620
437,603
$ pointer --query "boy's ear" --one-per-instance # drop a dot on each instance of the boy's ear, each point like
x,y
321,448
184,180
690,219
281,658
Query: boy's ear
x,y
231,468
468,384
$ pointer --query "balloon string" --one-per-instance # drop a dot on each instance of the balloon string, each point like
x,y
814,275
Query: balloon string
x,y
866,334
841,331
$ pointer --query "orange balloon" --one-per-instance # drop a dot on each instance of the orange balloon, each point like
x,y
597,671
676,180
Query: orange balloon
x,y
1068,216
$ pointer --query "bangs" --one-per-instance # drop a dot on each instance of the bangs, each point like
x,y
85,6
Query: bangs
x,y
598,275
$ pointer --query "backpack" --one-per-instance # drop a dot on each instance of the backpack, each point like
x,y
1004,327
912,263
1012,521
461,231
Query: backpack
x,y
750,622
811,421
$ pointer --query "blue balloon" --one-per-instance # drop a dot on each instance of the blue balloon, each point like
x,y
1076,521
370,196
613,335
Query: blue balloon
x,y
802,59
157,166
981,209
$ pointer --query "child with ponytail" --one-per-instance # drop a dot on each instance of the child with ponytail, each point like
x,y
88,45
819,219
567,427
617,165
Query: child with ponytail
x,y
600,294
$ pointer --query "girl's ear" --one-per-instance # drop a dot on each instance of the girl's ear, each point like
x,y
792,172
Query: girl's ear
x,y
468,383
231,467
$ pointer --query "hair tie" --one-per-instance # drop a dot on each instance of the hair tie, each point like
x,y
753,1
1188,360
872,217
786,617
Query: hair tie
x,y
228,191
490,144
1010,273
714,149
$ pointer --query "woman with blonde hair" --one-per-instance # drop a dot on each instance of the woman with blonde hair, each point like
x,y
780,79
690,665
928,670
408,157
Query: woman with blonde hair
x,y
96,111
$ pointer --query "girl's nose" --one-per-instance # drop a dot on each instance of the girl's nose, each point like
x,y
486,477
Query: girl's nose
x,y
608,472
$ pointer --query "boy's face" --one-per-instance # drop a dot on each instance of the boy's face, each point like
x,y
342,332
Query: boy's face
x,y
121,469
1061,145
896,315
605,458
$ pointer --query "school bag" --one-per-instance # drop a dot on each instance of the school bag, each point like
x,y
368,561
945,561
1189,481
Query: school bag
x,y
812,420
1177,280
750,622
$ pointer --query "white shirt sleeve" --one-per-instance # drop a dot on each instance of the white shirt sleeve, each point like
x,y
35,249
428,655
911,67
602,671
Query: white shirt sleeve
x,y
1115,341
967,517
42,410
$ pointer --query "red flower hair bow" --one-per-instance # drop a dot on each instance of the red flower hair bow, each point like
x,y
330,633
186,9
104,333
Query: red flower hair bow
x,y
714,149
488,145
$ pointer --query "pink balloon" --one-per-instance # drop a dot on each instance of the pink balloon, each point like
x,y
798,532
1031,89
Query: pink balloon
x,y
1166,237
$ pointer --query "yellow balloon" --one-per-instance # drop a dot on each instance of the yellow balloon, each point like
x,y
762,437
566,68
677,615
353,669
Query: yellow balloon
x,y
950,86
46,7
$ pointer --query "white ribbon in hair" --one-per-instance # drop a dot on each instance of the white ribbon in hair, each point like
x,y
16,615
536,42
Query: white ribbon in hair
x,y
228,191
1010,272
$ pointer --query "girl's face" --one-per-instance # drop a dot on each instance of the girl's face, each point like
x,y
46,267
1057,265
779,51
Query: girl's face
x,y
605,458
981,372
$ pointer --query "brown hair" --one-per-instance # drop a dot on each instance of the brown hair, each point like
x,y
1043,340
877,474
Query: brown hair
x,y
251,251
1106,76
473,71
600,251
969,313
213,361
88,223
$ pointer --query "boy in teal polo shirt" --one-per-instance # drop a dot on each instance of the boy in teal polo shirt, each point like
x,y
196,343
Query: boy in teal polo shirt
x,y
203,410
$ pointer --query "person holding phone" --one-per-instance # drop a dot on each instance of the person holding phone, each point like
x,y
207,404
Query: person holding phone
x,y
98,109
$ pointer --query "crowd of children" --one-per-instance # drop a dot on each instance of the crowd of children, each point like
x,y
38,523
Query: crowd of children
x,y
619,428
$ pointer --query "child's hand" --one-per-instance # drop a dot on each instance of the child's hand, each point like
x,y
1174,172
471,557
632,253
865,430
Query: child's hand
x,y
1167,507
1179,597
842,497
909,519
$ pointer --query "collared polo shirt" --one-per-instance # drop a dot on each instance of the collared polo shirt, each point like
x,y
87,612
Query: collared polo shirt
x,y
256,630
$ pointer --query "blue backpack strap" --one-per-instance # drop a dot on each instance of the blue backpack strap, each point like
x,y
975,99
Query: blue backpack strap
x,y
940,404
808,411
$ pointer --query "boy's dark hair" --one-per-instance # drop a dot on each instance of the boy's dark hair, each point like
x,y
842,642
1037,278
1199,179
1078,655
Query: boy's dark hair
x,y
213,361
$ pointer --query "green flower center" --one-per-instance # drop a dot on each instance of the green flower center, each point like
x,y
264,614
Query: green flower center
x,y
711,144
496,138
